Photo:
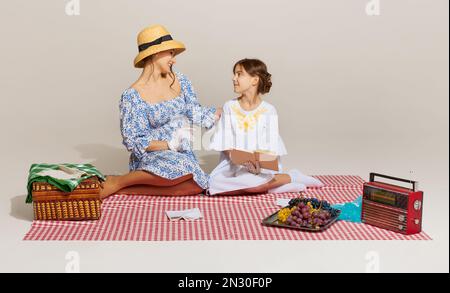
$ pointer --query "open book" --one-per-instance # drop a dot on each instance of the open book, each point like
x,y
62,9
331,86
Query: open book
x,y
266,160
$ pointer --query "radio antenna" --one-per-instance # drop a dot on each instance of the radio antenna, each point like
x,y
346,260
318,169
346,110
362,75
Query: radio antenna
x,y
415,187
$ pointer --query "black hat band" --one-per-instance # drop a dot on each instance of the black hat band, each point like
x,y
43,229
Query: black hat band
x,y
155,42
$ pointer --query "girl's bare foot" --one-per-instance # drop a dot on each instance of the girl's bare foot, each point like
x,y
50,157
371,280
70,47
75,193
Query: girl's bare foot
x,y
109,186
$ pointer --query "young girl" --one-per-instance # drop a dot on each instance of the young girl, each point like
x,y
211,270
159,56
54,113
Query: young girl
x,y
251,124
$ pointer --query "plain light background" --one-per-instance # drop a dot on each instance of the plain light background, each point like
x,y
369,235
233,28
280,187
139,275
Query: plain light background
x,y
355,94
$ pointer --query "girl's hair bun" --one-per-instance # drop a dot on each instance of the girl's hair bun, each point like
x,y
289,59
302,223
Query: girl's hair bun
x,y
256,67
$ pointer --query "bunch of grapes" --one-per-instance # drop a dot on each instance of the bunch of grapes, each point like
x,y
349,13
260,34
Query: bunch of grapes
x,y
310,213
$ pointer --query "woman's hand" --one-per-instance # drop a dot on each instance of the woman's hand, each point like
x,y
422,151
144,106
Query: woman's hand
x,y
157,145
218,113
252,168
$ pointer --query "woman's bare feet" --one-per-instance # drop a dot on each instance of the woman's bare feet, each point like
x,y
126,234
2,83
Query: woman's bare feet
x,y
109,186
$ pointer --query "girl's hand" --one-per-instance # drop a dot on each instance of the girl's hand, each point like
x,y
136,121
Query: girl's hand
x,y
218,113
254,169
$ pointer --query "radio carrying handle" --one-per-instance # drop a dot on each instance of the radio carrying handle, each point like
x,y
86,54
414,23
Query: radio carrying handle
x,y
414,183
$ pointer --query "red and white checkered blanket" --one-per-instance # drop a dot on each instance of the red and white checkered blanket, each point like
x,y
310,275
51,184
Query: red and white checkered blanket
x,y
143,218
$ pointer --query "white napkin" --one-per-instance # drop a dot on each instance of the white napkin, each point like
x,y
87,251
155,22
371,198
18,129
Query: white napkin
x,y
284,202
63,172
192,214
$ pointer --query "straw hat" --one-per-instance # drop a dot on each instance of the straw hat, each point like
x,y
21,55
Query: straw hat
x,y
154,39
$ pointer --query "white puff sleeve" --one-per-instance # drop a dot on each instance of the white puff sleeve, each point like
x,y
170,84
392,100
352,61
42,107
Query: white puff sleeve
x,y
269,134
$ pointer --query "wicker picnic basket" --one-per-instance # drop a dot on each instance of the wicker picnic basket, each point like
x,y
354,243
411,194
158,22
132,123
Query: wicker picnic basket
x,y
83,203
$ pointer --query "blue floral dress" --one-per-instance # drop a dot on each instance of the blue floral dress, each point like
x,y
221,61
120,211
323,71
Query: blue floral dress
x,y
142,122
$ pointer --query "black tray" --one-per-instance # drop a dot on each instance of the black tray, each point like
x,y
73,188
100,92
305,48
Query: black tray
x,y
272,220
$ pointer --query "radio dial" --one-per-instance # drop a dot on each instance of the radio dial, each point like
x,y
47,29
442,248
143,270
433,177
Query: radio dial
x,y
417,205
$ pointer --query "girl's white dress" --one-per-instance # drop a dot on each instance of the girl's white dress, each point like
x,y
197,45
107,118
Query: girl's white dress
x,y
255,130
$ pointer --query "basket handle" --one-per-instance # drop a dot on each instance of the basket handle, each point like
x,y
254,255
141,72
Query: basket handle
x,y
415,184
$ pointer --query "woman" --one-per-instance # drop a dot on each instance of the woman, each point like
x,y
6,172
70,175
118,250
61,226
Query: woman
x,y
155,117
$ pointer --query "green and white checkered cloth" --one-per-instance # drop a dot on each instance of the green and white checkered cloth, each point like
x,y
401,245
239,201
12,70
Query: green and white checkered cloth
x,y
65,185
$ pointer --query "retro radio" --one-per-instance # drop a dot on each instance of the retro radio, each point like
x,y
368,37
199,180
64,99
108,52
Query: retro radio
x,y
392,207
